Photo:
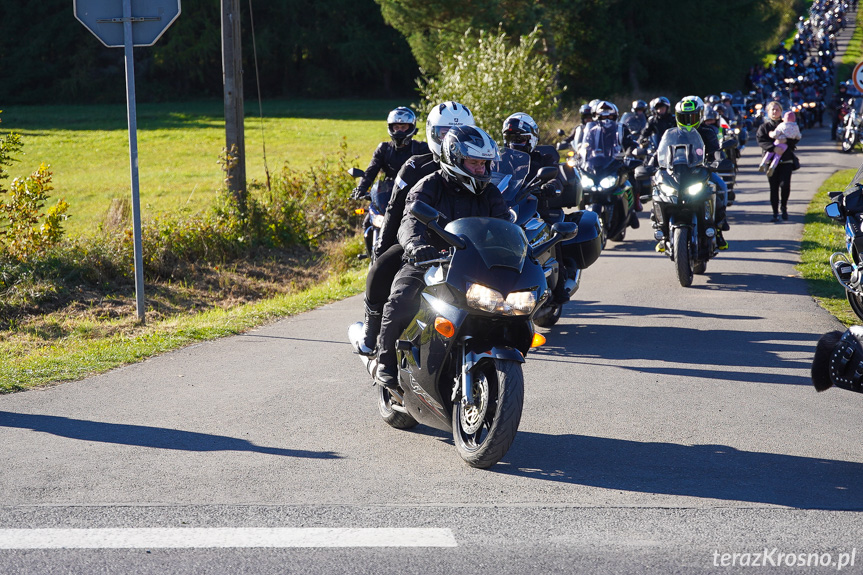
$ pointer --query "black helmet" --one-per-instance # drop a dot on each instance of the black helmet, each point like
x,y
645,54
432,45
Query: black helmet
x,y
689,112
710,113
520,132
401,115
586,113
712,99
639,105
467,142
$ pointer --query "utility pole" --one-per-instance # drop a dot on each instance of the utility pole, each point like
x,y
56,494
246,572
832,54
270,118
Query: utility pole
x,y
232,74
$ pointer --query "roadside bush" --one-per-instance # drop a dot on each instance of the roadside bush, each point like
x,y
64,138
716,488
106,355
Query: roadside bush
x,y
495,78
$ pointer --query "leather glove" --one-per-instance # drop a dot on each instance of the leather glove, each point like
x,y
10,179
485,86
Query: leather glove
x,y
358,193
422,253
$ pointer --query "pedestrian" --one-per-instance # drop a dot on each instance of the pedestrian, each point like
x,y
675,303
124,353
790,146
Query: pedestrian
x,y
780,180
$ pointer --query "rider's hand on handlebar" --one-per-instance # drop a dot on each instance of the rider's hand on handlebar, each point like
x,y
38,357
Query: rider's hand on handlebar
x,y
359,193
422,253
550,189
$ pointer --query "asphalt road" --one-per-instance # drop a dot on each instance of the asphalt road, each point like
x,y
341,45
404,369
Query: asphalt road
x,y
663,427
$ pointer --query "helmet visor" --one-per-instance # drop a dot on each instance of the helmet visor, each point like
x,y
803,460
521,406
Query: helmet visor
x,y
689,120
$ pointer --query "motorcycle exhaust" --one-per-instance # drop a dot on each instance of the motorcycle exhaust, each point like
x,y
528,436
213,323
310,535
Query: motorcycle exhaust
x,y
847,276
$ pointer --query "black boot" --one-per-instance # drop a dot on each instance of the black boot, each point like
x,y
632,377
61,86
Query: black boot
x,y
371,327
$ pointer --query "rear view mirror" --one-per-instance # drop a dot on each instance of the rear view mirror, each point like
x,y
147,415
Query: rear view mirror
x,y
833,211
356,173
424,212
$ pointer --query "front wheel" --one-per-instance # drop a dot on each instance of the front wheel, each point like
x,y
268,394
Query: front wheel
x,y
856,301
484,431
848,142
682,257
548,315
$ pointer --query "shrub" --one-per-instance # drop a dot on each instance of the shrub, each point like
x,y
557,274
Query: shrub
x,y
495,78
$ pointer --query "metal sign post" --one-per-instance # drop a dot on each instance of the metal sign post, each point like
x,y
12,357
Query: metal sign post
x,y
101,18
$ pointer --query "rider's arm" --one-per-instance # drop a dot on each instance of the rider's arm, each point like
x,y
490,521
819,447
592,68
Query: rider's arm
x,y
378,160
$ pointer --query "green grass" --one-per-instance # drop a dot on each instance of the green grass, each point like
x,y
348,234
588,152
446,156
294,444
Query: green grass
x,y
821,237
853,53
83,352
179,146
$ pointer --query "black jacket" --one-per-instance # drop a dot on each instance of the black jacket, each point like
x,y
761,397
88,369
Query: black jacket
x,y
766,142
710,135
390,159
453,203
415,169
657,124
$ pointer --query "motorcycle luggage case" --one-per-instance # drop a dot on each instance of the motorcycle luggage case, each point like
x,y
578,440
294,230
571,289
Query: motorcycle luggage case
x,y
570,195
586,246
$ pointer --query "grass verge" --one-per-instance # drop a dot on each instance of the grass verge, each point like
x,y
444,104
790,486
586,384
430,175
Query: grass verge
x,y
77,355
821,237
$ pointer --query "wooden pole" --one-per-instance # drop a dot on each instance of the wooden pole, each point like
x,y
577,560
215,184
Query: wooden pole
x,y
232,74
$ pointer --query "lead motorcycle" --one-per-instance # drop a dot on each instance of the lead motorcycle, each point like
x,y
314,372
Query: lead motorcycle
x,y
460,358
847,208
684,203
536,211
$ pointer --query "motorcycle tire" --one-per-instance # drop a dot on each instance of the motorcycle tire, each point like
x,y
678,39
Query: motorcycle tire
x,y
682,257
856,301
548,315
484,432
394,418
848,143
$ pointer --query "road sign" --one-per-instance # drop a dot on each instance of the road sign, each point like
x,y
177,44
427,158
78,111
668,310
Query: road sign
x,y
104,18
857,77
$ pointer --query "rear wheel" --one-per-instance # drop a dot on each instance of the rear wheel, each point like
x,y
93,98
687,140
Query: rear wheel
x,y
393,417
682,257
856,301
484,431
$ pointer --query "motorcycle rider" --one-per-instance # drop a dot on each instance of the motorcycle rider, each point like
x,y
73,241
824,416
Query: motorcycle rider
x,y
388,252
608,138
689,115
391,156
460,189
577,135
839,98
635,120
521,132
659,122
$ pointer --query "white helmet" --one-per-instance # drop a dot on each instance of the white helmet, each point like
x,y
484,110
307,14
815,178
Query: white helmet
x,y
443,117
468,142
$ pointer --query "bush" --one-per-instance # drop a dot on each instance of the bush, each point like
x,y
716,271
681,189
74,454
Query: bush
x,y
494,79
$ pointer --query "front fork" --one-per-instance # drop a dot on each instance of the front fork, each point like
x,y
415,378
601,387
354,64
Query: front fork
x,y
469,360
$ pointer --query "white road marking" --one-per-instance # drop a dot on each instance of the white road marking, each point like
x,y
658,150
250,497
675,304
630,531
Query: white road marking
x,y
190,538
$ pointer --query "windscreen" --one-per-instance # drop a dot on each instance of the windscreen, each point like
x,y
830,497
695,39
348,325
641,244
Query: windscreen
x,y
680,148
499,242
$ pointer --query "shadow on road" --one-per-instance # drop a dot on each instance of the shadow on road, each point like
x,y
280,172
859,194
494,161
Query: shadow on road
x,y
708,471
145,436
749,356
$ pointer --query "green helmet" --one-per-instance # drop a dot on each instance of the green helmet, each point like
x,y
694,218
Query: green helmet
x,y
689,112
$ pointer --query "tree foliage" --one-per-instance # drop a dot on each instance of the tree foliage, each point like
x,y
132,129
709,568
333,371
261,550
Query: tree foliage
x,y
472,76
605,47
337,48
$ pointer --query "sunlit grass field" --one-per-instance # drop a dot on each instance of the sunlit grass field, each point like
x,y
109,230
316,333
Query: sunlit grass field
x,y
179,145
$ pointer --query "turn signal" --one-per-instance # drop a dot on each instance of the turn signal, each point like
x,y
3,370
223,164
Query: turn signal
x,y
360,211
444,327
538,340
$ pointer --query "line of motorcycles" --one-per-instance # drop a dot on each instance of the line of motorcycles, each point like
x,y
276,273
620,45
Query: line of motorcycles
x,y
460,359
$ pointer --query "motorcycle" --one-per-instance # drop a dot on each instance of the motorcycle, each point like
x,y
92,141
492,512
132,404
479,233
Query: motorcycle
x,y
379,196
846,208
536,211
609,194
684,204
852,128
460,358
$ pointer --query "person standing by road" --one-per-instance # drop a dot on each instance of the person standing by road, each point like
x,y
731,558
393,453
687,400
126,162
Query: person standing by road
x,y
780,180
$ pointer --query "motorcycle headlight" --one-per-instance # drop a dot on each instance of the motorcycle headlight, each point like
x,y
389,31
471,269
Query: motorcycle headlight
x,y
607,182
483,298
586,181
694,189
489,300
736,130
378,221
668,190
